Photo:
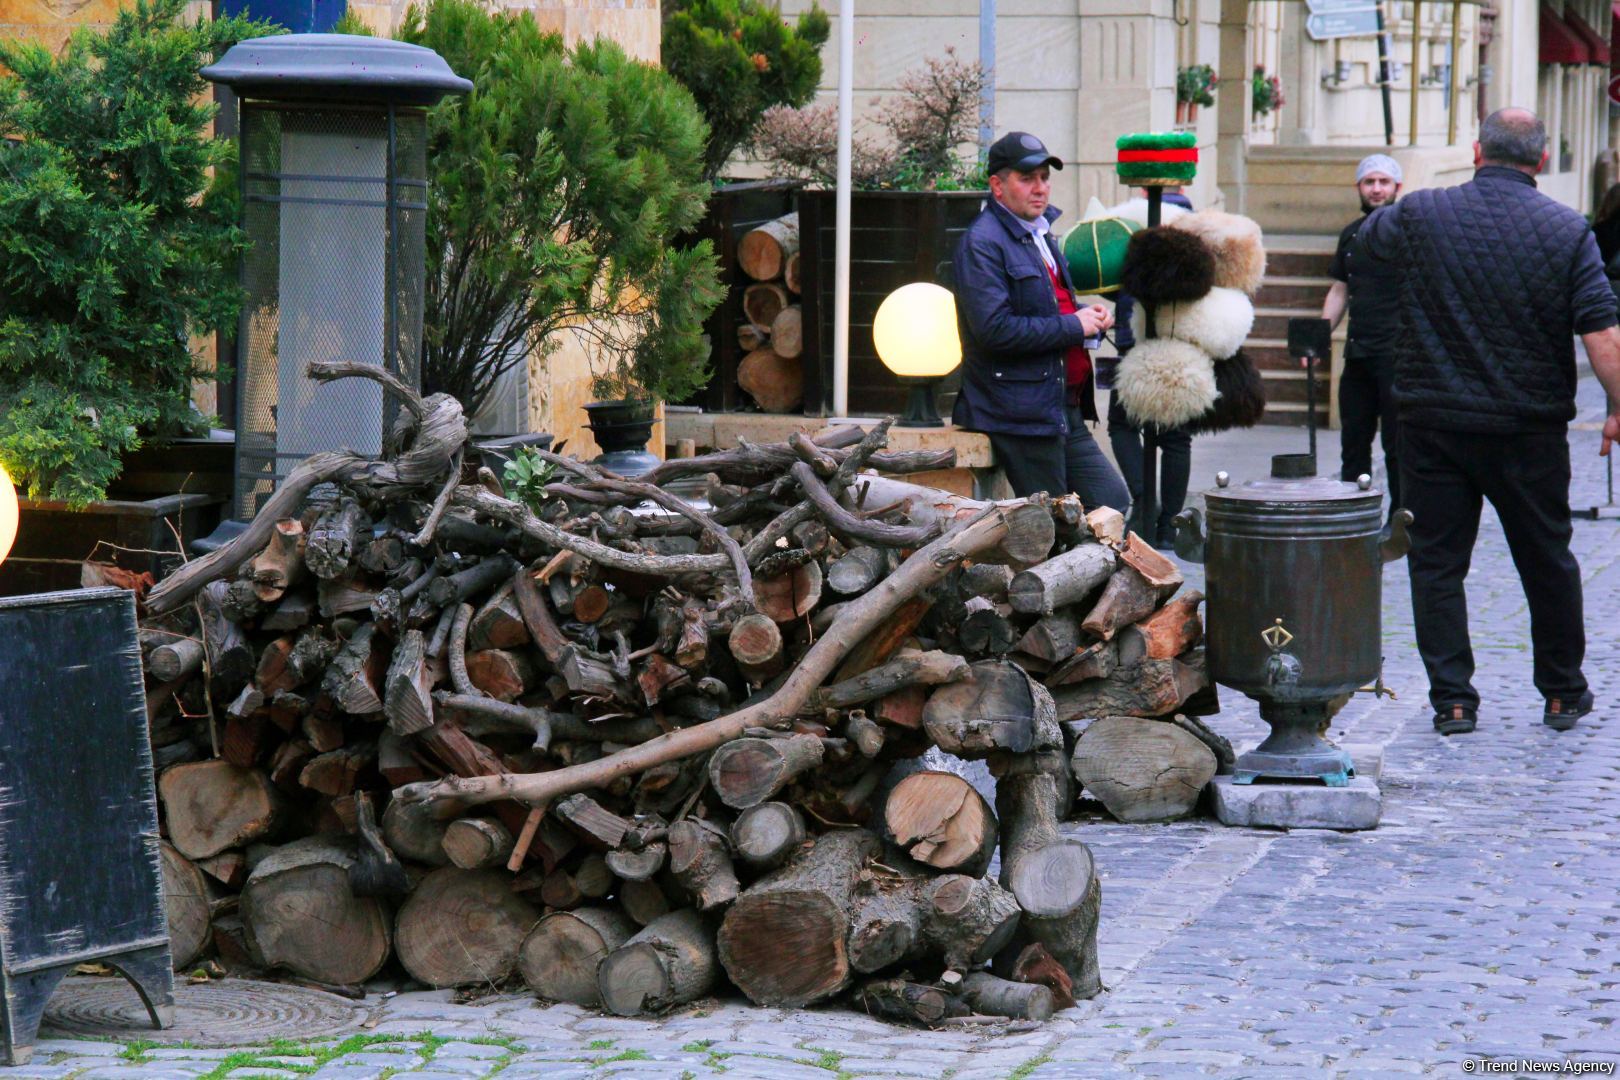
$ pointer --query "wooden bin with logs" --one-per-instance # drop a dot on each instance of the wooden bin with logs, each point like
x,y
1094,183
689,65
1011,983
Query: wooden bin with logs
x,y
634,753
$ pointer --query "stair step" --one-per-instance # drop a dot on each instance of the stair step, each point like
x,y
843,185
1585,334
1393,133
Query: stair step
x,y
1293,262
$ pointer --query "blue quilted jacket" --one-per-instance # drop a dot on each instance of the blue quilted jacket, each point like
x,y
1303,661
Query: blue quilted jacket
x,y
1495,280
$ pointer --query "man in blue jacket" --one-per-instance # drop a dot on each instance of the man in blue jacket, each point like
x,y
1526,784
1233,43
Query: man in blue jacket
x,y
1026,375
1494,279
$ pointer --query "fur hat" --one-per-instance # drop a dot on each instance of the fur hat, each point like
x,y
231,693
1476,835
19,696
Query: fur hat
x,y
1165,382
1137,210
1218,323
1164,264
1242,400
1240,253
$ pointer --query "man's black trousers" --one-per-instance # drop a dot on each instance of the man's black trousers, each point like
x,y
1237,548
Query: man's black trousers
x,y
1445,476
1366,405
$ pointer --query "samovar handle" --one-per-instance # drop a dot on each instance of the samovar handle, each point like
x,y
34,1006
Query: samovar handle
x,y
1190,534
1400,541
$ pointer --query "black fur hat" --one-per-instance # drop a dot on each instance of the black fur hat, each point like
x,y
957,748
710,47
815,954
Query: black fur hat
x,y
1164,264
1242,398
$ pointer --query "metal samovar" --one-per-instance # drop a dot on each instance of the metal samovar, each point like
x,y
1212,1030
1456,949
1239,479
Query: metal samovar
x,y
1294,596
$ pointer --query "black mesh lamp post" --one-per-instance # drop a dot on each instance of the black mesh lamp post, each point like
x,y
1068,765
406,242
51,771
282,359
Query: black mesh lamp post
x,y
333,131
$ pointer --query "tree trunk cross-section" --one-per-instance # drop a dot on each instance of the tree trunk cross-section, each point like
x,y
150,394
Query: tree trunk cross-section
x,y
560,956
463,926
942,821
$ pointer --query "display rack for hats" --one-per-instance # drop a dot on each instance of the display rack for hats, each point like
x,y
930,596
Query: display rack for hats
x,y
1154,161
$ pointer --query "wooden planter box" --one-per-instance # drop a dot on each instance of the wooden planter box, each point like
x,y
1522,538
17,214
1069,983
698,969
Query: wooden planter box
x,y
896,238
137,534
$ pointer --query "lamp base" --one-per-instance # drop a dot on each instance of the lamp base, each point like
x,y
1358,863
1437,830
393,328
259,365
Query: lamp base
x,y
920,410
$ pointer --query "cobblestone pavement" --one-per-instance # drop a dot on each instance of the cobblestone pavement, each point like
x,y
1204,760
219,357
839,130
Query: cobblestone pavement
x,y
1479,921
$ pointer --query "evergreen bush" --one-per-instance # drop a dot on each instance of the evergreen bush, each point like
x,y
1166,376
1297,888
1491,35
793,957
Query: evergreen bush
x,y
118,243
559,187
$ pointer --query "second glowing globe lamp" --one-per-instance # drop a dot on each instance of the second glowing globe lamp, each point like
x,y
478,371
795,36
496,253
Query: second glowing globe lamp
x,y
916,338
8,514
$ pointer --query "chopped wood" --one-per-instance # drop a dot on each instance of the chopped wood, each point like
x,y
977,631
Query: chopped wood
x,y
669,962
768,834
300,914
1143,770
559,957
463,926
213,805
747,772
763,251
281,562
1148,688
775,382
750,337
787,332
916,1003
477,843
408,687
940,820
700,859
1127,598
1066,579
984,993
1174,628
185,906
1156,568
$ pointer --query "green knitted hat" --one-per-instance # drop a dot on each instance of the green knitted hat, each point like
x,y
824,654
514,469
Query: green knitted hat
x,y
1095,251
1157,159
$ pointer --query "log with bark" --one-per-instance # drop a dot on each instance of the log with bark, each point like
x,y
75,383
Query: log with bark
x,y
763,252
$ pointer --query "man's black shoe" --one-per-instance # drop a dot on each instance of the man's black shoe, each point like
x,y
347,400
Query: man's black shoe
x,y
1455,720
1562,713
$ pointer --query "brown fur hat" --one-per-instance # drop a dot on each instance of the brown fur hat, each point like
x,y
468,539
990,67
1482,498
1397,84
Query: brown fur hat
x,y
1163,265
1242,399
1240,253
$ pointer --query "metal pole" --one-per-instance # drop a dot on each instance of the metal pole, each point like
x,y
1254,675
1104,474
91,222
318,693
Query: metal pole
x,y
987,61
1417,43
1383,77
846,124
1310,406
1147,515
1451,91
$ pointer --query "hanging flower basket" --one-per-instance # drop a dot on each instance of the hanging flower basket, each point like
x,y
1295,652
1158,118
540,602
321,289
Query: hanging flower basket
x,y
1268,93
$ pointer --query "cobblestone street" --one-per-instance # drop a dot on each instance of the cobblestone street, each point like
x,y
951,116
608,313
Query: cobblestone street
x,y
1480,920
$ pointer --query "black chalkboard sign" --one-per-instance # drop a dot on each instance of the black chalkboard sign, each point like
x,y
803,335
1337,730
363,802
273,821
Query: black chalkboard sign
x,y
80,867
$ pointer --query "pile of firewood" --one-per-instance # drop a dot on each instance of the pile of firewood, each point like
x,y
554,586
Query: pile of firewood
x,y
632,750
773,335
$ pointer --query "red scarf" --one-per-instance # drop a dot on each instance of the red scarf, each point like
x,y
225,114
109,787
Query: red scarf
x,y
1077,360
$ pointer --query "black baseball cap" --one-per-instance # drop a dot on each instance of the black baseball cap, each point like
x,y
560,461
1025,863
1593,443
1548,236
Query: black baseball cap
x,y
1019,150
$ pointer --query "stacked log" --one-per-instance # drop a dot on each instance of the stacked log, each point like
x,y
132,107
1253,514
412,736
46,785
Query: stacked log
x,y
633,752
772,335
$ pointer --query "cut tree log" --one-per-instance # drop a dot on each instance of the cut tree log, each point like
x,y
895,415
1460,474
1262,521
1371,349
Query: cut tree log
x,y
1127,598
559,957
416,831
1053,879
176,659
1174,628
762,302
787,333
1031,532
281,562
986,631
408,687
213,805
299,913
763,251
463,926
985,993
230,657
858,570
185,907
643,901
791,270
768,834
639,864
915,1003
942,821
756,642
349,679
1096,661
746,772
669,962
1065,579
503,674
700,859
1156,568
967,920
1148,688
775,382
783,940
886,925
477,843
1143,770
998,707
792,595
751,337
1107,525
334,538
1054,638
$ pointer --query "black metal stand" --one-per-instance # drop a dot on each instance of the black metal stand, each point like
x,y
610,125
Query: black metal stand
x,y
1146,514
150,971
1383,78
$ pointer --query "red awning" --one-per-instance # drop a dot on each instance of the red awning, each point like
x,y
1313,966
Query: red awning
x,y
1596,44
1559,43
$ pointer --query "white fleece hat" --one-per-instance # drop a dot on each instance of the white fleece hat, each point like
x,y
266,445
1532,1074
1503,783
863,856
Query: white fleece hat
x,y
1378,163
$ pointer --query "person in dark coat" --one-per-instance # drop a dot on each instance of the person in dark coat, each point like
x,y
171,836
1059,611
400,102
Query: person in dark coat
x,y
1606,224
1125,435
1026,374
1366,386
1495,279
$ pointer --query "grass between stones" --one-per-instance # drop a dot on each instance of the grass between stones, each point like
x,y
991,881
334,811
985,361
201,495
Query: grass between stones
x,y
272,1055
1028,1067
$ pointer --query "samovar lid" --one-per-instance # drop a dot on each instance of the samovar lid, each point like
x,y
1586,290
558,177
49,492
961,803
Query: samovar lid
x,y
1293,479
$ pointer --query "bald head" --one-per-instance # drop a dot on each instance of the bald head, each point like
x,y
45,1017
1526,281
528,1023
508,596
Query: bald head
x,y
1513,137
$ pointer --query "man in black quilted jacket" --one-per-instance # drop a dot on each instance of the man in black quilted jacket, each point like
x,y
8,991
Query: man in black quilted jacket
x,y
1496,279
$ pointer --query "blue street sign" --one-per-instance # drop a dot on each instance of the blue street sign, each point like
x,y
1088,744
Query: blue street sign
x,y
1359,22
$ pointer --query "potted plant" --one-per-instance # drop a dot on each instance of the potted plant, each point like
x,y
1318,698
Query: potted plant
x,y
1268,93
118,211
1195,86
559,188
